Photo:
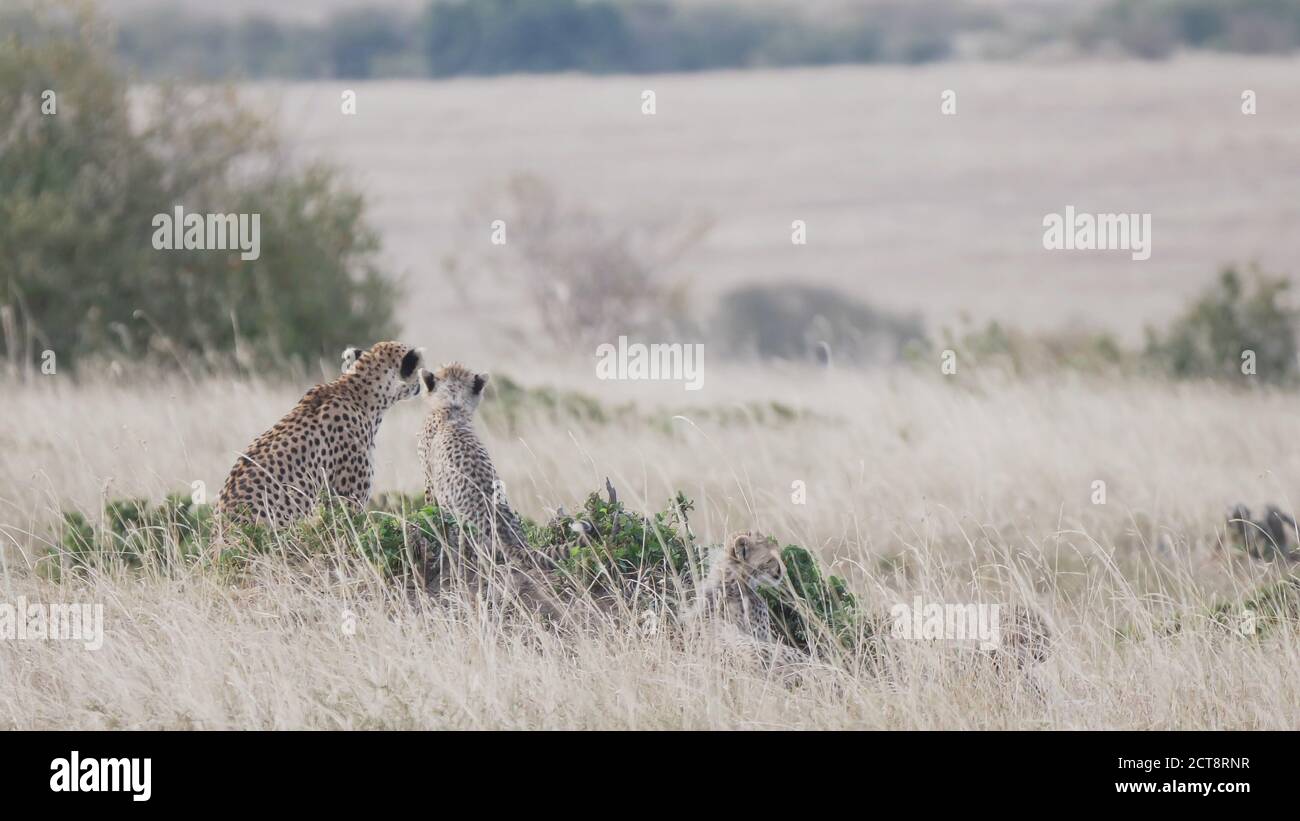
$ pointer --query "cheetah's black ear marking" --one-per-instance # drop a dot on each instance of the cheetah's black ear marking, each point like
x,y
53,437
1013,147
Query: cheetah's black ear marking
x,y
480,380
741,548
428,379
410,362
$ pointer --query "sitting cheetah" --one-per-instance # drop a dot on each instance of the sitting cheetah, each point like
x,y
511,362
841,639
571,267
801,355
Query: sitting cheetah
x,y
459,477
458,473
325,444
730,592
728,604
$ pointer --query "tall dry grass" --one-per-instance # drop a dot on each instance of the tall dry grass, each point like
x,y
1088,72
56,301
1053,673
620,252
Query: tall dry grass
x,y
969,489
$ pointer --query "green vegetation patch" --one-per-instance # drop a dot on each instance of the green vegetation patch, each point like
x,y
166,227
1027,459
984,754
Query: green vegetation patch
x,y
179,533
604,548
1238,326
607,546
1263,611
82,183
814,606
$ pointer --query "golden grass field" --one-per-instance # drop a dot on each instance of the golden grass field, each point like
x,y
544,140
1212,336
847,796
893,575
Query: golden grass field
x,y
971,488
976,487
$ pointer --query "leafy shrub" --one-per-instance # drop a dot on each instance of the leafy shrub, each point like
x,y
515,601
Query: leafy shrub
x,y
1263,611
1230,318
179,533
815,605
789,322
1233,315
619,552
393,543
614,549
606,549
133,533
1026,354
78,193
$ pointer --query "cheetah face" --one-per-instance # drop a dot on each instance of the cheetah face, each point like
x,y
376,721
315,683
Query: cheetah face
x,y
454,387
389,369
757,559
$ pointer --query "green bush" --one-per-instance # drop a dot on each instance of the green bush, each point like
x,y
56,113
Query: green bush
x,y
178,533
1031,354
134,532
79,189
609,547
604,549
1263,611
615,551
815,606
1207,341
1231,317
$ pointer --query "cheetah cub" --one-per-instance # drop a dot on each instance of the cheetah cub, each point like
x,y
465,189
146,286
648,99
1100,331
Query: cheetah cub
x,y
458,473
459,477
730,592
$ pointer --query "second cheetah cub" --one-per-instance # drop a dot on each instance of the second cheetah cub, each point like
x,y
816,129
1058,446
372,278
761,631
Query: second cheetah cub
x,y
747,563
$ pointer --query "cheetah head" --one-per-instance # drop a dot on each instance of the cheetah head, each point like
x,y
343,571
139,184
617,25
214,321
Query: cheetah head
x,y
755,559
454,387
390,369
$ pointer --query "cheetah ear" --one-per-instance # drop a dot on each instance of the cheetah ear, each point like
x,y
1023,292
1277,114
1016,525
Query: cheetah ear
x,y
740,547
410,362
480,381
428,379
350,356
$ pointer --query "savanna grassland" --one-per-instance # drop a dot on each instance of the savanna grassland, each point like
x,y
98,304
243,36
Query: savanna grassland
x,y
962,488
981,485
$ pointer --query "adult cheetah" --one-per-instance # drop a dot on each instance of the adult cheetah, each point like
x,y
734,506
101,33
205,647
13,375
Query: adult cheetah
x,y
326,444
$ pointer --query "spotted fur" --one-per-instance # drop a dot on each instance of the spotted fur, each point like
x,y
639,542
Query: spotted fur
x,y
458,472
730,594
325,445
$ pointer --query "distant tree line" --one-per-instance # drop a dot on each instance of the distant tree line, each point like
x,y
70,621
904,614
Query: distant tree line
x,y
1156,28
483,37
